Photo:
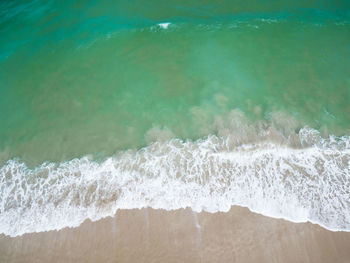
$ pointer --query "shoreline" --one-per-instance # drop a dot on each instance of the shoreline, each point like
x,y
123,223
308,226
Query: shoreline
x,y
182,235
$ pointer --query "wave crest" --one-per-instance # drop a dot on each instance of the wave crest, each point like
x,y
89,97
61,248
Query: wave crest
x,y
308,183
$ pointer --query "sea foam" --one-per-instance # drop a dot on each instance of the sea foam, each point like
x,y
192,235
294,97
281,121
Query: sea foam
x,y
307,183
164,25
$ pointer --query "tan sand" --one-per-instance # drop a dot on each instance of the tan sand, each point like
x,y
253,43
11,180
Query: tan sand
x,y
149,235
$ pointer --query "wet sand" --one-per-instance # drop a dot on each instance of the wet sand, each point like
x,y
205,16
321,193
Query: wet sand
x,y
149,235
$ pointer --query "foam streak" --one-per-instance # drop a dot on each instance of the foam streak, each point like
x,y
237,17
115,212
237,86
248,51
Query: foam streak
x,y
305,184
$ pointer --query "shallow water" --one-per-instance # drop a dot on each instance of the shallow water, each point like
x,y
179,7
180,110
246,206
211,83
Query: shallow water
x,y
262,90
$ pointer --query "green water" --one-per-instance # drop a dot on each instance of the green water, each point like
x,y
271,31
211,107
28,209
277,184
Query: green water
x,y
94,77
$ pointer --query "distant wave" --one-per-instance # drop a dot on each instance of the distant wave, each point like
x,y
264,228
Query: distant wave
x,y
300,177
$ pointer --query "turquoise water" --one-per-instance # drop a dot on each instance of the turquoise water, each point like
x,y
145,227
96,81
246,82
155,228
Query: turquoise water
x,y
93,78
96,78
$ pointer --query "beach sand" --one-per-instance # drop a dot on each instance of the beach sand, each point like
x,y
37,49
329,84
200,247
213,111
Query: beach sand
x,y
149,235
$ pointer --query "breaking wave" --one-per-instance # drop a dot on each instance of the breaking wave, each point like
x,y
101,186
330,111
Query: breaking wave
x,y
300,177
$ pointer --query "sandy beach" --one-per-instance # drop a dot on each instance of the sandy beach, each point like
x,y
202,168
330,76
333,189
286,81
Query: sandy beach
x,y
149,235
120,119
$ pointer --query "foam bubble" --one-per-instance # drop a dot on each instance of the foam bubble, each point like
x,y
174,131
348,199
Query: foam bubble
x,y
164,25
310,183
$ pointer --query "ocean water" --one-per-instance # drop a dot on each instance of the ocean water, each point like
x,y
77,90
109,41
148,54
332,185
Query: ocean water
x,y
208,104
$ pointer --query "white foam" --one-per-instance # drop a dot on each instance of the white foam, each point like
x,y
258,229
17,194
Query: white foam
x,y
306,184
164,25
